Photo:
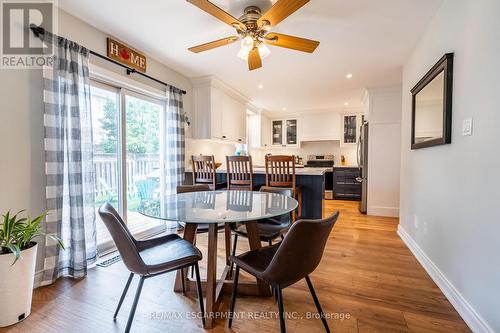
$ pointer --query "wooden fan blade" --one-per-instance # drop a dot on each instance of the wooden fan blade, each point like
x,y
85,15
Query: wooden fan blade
x,y
291,42
254,60
214,44
218,13
280,11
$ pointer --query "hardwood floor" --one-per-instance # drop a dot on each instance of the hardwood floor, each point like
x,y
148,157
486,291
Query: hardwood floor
x,y
368,281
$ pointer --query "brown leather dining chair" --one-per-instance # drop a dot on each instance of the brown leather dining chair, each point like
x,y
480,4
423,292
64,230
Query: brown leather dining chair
x,y
280,172
269,229
149,258
204,171
287,262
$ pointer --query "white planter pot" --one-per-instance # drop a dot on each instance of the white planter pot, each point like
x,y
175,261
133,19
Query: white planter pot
x,y
16,286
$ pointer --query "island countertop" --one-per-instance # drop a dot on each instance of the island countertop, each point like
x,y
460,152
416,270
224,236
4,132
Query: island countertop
x,y
345,166
298,171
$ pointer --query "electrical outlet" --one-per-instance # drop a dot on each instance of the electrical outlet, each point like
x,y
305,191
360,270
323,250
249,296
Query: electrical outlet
x,y
467,127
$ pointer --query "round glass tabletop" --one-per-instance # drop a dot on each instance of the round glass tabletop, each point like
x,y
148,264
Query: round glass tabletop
x,y
218,206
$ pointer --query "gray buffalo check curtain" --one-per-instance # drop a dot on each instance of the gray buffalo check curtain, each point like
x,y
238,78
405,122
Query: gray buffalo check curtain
x,y
174,140
174,145
69,167
68,162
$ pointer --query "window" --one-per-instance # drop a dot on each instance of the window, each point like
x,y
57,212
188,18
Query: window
x,y
127,136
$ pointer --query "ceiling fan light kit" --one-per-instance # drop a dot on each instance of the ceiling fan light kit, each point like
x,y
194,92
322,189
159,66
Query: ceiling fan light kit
x,y
253,29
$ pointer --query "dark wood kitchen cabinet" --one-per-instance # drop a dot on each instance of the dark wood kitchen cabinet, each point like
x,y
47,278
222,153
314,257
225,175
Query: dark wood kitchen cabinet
x,y
345,185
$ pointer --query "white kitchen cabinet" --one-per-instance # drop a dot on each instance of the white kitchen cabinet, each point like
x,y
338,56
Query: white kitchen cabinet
x,y
320,126
259,131
219,111
285,132
233,120
265,131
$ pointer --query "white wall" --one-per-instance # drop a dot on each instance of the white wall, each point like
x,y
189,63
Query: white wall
x,y
22,177
450,194
384,151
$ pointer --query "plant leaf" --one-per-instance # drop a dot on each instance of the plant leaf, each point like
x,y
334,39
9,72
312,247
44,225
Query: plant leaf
x,y
16,250
58,240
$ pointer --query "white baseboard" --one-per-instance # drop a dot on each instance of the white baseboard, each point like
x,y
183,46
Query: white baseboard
x,y
383,211
475,322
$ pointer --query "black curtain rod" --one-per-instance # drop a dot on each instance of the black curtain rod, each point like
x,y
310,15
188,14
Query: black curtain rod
x,y
40,31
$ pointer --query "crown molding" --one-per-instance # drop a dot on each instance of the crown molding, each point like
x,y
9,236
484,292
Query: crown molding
x,y
215,82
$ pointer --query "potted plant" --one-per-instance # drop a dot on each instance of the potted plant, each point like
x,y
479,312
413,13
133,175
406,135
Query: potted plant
x,y
17,265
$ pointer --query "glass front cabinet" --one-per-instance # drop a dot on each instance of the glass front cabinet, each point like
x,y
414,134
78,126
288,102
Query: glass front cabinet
x,y
350,128
277,132
285,132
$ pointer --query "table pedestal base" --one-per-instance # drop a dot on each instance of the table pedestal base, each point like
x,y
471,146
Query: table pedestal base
x,y
213,288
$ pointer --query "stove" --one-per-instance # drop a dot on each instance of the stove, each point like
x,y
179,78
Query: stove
x,y
319,161
323,161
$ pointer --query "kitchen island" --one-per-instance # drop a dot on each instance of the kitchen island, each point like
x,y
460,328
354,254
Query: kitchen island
x,y
311,180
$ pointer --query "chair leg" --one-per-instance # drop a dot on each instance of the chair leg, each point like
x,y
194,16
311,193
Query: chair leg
x,y
299,209
316,302
233,295
234,252
281,310
194,243
183,282
134,305
282,237
124,293
200,293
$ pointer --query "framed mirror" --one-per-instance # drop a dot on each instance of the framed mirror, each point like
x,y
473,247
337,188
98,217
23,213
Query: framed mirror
x,y
431,106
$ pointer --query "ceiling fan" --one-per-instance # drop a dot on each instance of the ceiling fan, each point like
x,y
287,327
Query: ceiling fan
x,y
253,29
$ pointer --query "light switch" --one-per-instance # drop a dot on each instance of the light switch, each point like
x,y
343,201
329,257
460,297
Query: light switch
x,y
467,127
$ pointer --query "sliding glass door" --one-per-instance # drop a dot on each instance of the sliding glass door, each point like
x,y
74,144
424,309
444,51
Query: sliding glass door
x,y
127,135
142,139
105,135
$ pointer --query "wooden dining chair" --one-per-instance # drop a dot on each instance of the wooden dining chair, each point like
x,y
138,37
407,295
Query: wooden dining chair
x,y
204,171
280,172
239,173
285,263
202,227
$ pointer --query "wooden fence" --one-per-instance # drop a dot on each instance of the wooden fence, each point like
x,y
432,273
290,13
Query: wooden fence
x,y
139,166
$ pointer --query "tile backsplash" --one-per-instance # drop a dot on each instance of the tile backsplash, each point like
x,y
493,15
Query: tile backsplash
x,y
220,149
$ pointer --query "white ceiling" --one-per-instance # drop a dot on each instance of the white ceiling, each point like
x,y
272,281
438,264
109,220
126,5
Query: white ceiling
x,y
369,38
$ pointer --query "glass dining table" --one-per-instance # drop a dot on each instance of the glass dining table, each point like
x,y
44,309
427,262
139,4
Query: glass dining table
x,y
215,208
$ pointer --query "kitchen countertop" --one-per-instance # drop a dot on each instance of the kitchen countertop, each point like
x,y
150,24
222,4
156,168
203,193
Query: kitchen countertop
x,y
298,171
345,166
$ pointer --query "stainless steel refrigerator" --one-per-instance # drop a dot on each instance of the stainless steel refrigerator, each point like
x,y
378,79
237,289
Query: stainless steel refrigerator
x,y
362,154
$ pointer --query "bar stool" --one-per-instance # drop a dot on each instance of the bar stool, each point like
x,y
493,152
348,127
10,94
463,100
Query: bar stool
x,y
280,172
239,173
204,171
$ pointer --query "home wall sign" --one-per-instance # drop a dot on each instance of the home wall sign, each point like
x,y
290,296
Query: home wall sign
x,y
126,55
